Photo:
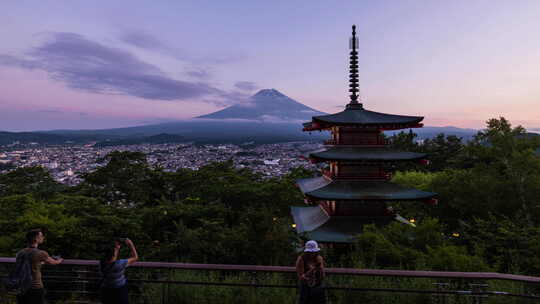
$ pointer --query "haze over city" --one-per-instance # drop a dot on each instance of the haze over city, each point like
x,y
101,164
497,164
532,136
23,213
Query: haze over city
x,y
102,64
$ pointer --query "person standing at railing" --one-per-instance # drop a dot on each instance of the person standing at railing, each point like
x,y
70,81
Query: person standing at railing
x,y
310,270
114,284
36,293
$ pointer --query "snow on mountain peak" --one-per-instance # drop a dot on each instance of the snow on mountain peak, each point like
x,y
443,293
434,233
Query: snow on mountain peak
x,y
269,93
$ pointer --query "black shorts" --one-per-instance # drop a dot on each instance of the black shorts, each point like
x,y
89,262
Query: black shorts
x,y
115,295
32,296
311,295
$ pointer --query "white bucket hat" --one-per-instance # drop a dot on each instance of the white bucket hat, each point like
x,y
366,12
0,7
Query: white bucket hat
x,y
312,246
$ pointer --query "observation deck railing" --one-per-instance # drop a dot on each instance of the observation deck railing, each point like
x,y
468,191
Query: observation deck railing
x,y
77,281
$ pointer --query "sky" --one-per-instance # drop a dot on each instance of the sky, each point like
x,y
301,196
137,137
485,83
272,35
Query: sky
x,y
106,64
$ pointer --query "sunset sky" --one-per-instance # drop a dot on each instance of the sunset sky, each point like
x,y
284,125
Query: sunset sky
x,y
103,64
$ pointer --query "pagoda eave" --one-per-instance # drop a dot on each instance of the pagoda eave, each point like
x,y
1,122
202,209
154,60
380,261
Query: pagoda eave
x,y
399,127
321,188
313,223
367,155
361,116
310,126
322,198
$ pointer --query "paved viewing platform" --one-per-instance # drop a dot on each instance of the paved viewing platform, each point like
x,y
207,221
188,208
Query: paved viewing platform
x,y
76,281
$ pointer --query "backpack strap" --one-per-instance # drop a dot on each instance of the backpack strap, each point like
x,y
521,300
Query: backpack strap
x,y
28,254
24,253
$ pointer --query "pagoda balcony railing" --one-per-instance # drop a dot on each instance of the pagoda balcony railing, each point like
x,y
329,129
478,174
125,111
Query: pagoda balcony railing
x,y
370,143
327,173
76,281
384,177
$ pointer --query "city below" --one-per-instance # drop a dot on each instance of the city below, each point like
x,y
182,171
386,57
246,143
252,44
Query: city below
x,y
67,162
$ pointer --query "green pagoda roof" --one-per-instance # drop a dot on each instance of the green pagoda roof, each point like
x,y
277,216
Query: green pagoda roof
x,y
324,188
309,218
357,115
336,229
370,154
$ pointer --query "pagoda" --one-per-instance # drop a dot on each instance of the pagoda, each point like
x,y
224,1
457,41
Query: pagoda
x,y
354,188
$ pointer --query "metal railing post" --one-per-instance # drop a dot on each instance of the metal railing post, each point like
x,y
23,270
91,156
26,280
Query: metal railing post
x,y
84,277
163,300
254,280
440,298
530,289
169,278
478,288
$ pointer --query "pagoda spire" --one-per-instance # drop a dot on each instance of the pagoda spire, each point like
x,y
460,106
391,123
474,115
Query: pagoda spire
x,y
353,72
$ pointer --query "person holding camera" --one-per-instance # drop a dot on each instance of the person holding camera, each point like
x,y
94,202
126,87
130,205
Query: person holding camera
x,y
114,284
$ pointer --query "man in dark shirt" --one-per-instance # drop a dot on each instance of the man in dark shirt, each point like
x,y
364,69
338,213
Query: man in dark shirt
x,y
36,294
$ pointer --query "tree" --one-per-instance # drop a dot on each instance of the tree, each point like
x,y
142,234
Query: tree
x,y
405,141
126,180
505,243
35,180
21,213
509,156
443,152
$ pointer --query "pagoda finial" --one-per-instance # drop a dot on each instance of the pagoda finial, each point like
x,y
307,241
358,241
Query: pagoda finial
x,y
353,74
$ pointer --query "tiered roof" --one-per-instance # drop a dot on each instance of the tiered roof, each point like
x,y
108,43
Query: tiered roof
x,y
313,224
323,188
362,154
358,116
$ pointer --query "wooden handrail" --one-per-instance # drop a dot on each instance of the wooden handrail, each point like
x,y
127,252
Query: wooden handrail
x,y
340,271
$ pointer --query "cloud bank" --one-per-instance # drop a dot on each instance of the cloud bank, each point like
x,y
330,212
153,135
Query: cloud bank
x,y
144,40
85,65
246,86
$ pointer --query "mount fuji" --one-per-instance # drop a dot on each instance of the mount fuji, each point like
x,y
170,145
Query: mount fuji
x,y
268,105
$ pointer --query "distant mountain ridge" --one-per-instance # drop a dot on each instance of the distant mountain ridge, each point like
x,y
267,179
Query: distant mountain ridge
x,y
162,138
7,138
266,117
267,105
430,132
202,131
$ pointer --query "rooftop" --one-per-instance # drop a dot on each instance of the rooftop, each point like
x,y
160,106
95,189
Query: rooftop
x,y
360,116
317,225
326,189
366,154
